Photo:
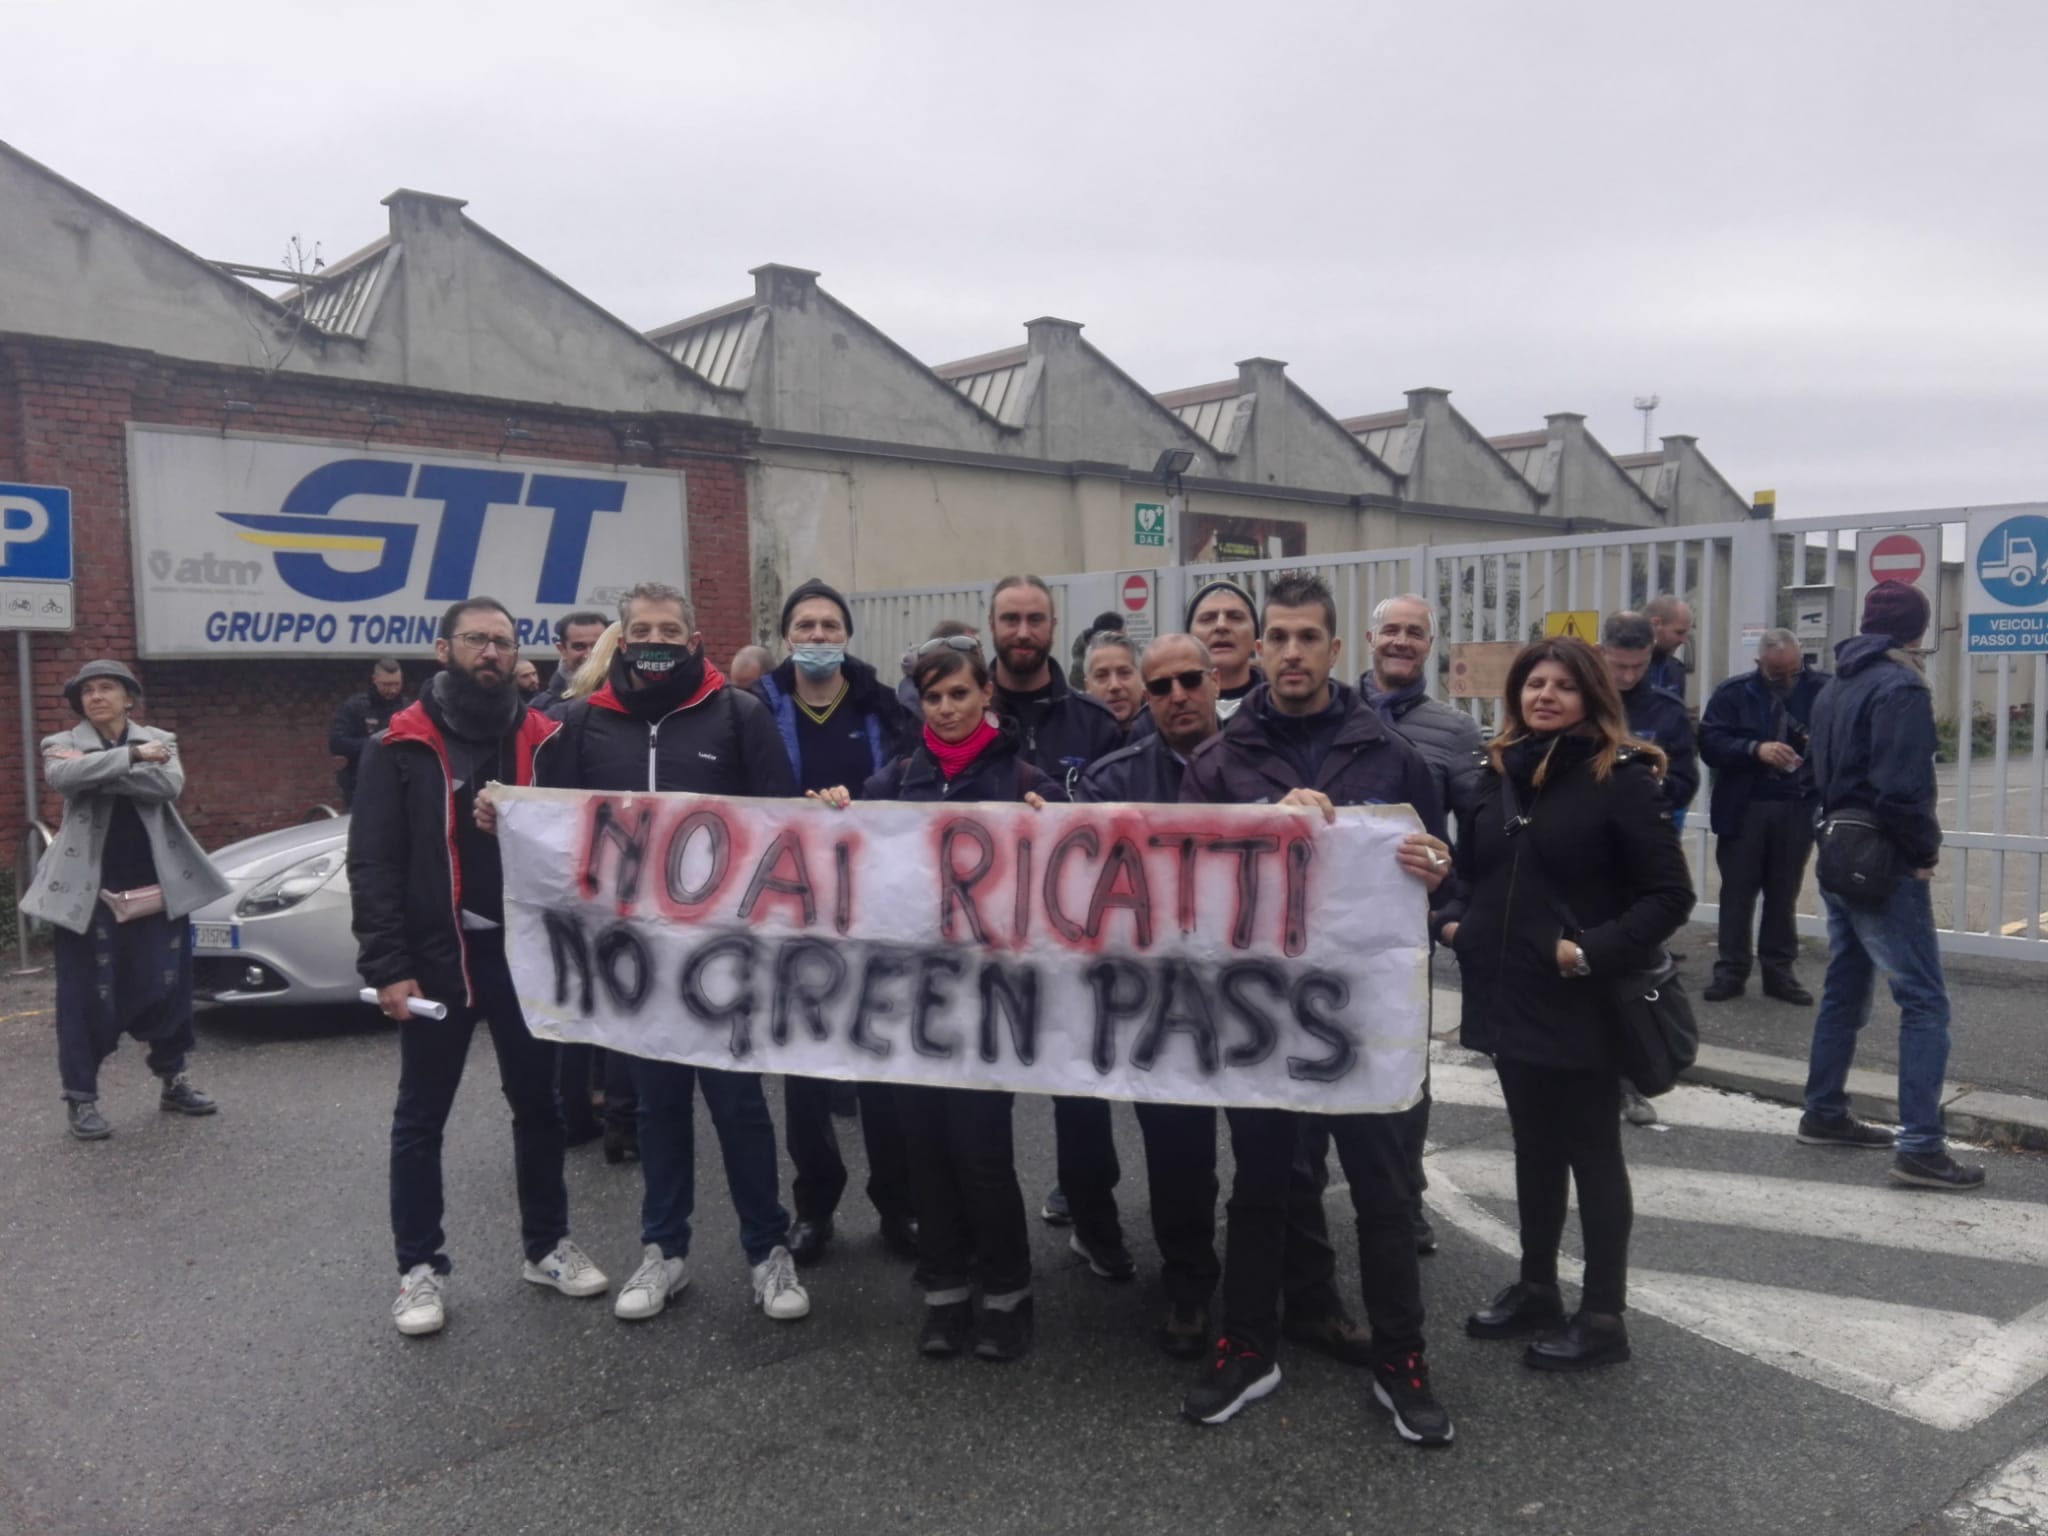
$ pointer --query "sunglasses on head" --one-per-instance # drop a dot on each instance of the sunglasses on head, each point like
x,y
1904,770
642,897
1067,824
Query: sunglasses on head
x,y
1190,682
950,643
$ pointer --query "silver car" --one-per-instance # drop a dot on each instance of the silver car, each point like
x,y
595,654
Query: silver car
x,y
282,933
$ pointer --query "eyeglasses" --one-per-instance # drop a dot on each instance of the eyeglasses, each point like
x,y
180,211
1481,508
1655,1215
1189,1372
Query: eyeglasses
x,y
1190,682
950,643
481,643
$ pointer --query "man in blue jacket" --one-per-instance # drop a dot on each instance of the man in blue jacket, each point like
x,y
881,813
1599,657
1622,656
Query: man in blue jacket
x,y
1654,714
840,724
1755,735
1873,753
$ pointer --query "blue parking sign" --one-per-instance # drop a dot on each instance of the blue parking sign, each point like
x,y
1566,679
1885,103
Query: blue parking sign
x,y
35,533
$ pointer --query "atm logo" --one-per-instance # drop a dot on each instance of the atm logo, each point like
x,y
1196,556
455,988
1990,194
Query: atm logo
x,y
305,534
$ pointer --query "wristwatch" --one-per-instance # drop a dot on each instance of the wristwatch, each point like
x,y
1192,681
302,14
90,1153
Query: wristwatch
x,y
1581,966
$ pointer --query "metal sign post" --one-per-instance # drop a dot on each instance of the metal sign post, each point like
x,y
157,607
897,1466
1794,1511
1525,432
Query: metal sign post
x,y
35,593
25,674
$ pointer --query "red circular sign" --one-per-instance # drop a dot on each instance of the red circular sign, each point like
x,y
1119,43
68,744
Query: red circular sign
x,y
1137,593
1897,557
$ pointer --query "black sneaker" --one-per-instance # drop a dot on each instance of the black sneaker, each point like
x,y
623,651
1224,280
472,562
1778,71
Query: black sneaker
x,y
1841,1131
1788,990
1521,1308
1237,1374
1401,1386
1721,989
1335,1334
1054,1211
1112,1261
1184,1335
1935,1170
181,1098
1005,1333
946,1329
87,1123
1425,1234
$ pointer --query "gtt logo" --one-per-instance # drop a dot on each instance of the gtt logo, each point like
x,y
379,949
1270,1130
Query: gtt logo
x,y
305,531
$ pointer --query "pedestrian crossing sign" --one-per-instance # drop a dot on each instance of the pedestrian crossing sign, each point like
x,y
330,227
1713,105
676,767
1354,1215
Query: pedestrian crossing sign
x,y
1572,624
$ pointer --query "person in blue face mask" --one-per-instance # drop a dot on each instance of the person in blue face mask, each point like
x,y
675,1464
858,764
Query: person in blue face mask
x,y
840,724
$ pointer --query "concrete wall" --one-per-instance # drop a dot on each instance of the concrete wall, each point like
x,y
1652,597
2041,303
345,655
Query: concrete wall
x,y
1455,466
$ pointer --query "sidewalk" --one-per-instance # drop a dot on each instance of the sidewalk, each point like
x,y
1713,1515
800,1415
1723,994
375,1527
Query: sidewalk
x,y
1997,1090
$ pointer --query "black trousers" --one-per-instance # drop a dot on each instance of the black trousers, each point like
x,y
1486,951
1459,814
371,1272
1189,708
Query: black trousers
x,y
963,1179
130,978
1378,1154
1084,1148
1567,1129
431,1058
1767,860
1180,1175
814,1148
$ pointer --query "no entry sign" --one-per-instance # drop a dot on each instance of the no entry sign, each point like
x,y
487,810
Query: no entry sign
x,y
1911,555
1137,592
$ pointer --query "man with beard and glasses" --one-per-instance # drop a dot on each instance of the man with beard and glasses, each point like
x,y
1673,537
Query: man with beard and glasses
x,y
428,895
1396,686
1756,736
1221,617
1063,732
667,721
1306,740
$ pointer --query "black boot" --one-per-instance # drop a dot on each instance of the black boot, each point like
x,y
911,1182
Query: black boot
x,y
621,1141
899,1236
87,1123
181,1098
1521,1308
1004,1333
946,1330
807,1239
1588,1340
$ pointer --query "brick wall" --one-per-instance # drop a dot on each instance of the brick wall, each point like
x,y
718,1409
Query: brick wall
x,y
253,733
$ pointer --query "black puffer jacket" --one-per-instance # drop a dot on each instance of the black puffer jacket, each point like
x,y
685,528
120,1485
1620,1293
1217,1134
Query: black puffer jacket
x,y
1603,854
1144,773
720,742
1060,731
1000,773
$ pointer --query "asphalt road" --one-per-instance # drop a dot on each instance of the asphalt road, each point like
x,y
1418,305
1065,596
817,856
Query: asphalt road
x,y
196,1338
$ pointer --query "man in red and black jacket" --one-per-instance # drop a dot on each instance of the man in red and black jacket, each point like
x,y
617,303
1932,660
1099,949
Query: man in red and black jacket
x,y
428,894
666,721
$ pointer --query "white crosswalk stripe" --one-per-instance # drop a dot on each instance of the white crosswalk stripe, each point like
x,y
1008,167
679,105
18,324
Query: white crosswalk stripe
x,y
1947,1369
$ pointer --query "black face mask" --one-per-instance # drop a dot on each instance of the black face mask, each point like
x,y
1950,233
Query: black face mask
x,y
656,677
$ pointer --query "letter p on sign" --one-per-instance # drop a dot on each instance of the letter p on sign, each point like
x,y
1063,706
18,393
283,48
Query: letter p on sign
x,y
35,533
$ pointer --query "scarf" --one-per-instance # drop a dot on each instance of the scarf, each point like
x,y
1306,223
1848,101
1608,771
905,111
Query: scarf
x,y
1547,755
476,714
953,757
1392,705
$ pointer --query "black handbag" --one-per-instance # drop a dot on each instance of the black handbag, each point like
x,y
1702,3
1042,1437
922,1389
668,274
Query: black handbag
x,y
1856,859
1650,1018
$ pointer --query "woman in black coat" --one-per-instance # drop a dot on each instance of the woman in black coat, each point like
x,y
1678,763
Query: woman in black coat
x,y
1570,873
971,1228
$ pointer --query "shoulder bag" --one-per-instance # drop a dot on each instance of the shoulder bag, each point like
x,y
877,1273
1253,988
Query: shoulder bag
x,y
1650,1019
1857,861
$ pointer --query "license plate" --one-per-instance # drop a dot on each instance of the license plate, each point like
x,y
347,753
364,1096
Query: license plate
x,y
216,936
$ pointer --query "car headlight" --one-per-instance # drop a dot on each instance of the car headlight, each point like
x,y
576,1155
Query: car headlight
x,y
290,885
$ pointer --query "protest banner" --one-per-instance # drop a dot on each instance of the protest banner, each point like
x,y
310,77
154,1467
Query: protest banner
x,y
1182,954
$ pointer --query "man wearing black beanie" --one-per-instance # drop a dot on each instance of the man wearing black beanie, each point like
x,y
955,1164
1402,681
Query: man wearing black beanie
x,y
1873,760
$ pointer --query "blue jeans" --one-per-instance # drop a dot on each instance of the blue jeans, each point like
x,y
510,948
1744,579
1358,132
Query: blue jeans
x,y
668,1155
1897,938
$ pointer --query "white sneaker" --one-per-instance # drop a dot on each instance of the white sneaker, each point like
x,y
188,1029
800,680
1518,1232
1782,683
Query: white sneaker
x,y
569,1270
652,1284
777,1291
421,1306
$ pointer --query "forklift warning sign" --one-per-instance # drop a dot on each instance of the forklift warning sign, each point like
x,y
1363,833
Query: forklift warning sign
x,y
2007,574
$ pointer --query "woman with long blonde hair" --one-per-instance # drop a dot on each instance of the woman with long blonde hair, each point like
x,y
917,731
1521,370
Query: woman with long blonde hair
x,y
1570,874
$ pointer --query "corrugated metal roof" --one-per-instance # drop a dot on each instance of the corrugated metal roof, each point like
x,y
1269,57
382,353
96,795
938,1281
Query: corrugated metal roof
x,y
999,382
709,344
342,300
1209,411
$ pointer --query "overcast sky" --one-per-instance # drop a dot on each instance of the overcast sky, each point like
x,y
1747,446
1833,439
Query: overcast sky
x,y
1817,230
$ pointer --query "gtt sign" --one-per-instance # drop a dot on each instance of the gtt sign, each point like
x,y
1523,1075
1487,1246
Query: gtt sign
x,y
265,546
309,531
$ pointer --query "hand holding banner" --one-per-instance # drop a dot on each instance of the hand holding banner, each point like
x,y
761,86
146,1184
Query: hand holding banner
x,y
1187,954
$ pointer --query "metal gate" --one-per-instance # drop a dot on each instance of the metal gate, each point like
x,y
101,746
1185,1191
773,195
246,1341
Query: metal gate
x,y
1740,579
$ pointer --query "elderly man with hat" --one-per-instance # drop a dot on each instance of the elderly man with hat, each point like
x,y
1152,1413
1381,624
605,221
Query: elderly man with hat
x,y
839,724
118,885
1873,761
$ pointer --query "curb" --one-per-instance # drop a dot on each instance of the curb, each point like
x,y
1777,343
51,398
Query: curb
x,y
1967,1113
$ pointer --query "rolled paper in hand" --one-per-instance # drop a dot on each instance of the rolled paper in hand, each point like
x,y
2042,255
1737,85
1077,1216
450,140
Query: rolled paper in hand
x,y
418,1007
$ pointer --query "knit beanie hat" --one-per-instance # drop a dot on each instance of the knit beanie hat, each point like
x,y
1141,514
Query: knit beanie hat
x,y
1897,611
1221,584
815,588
